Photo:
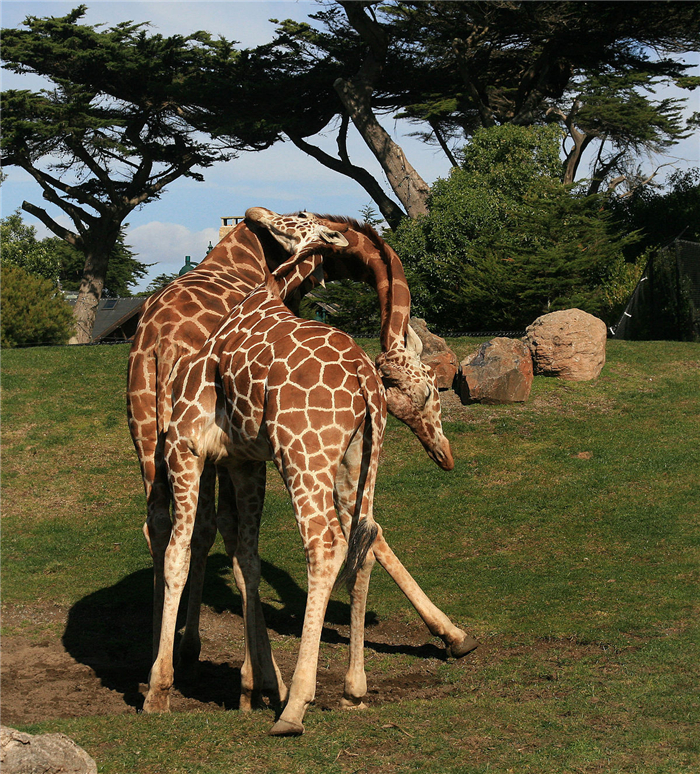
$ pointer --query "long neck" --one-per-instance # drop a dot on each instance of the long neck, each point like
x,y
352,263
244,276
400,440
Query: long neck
x,y
246,252
371,260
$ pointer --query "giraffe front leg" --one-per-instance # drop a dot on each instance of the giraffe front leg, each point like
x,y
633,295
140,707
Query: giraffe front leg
x,y
185,483
458,642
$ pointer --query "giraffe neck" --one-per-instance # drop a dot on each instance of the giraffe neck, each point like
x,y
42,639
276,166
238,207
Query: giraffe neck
x,y
374,261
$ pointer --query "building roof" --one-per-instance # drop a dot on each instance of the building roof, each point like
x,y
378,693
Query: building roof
x,y
112,314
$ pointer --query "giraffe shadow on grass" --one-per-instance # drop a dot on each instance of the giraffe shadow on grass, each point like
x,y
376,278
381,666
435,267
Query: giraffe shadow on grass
x,y
110,631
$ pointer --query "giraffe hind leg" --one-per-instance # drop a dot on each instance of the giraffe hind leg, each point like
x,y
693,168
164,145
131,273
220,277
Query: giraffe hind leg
x,y
175,570
260,675
203,538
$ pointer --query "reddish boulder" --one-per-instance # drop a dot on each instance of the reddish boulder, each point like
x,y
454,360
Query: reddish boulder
x,y
436,354
569,344
500,371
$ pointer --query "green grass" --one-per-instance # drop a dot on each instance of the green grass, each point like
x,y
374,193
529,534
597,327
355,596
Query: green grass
x,y
567,539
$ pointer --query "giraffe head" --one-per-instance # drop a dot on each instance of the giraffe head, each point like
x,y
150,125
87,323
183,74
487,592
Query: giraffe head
x,y
412,396
296,233
361,254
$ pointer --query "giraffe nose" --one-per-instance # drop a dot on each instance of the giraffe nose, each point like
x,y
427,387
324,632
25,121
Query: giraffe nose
x,y
441,454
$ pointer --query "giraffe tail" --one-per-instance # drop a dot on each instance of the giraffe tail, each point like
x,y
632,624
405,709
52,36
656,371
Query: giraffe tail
x,y
362,538
365,531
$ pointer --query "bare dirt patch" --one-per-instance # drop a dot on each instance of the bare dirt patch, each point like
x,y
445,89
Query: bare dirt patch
x,y
57,665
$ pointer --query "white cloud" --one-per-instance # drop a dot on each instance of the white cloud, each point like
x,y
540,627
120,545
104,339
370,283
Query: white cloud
x,y
166,244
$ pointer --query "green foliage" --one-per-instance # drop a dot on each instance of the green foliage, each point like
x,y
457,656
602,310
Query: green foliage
x,y
62,263
350,306
450,68
20,247
33,311
664,214
505,241
158,283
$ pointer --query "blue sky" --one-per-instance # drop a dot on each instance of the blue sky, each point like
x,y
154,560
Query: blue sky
x,y
282,178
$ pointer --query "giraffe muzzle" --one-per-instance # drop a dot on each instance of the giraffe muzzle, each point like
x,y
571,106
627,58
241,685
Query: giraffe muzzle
x,y
441,454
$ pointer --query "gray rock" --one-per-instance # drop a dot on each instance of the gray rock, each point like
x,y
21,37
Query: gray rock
x,y
22,753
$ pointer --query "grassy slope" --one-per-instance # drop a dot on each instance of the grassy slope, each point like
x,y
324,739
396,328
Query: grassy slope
x,y
566,538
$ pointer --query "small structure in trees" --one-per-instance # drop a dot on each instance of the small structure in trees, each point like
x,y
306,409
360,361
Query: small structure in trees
x,y
666,301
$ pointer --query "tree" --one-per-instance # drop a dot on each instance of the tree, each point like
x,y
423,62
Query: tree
x,y
664,214
451,68
158,283
123,270
20,247
34,312
110,134
507,241
62,263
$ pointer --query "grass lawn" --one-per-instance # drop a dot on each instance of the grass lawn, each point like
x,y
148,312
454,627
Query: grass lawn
x,y
567,540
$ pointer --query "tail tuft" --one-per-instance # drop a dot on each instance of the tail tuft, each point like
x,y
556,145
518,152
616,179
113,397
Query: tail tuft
x,y
361,540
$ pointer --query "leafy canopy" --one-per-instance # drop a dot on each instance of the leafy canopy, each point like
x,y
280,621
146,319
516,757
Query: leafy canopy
x,y
21,247
56,260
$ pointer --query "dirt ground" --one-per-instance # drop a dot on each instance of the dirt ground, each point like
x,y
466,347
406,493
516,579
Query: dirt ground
x,y
78,673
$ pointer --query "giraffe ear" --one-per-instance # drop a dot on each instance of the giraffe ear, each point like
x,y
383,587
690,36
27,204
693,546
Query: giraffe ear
x,y
332,237
414,344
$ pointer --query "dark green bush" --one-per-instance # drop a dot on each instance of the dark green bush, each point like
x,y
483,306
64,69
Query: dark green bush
x,y
506,241
33,311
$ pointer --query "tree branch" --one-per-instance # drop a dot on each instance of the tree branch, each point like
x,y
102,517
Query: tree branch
x,y
82,219
391,212
50,223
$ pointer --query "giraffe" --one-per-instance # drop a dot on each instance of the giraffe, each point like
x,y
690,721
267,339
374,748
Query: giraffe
x,y
176,323
268,385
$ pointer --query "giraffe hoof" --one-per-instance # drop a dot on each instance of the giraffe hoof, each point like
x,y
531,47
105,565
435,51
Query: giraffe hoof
x,y
466,645
286,728
156,703
352,704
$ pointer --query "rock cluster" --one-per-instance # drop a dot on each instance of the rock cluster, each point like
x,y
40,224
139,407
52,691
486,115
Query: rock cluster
x,y
22,753
569,344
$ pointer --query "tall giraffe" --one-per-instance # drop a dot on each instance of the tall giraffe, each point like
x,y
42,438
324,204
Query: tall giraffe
x,y
268,385
176,323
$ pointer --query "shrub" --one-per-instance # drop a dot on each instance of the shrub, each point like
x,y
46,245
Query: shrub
x,y
506,241
33,311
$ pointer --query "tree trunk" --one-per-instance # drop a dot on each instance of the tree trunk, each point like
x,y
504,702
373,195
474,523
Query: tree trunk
x,y
91,286
356,95
410,188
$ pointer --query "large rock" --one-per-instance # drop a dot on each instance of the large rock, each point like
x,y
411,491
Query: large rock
x,y
569,344
436,354
22,753
500,371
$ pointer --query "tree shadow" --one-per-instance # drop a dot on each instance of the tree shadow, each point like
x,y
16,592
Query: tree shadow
x,y
110,631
